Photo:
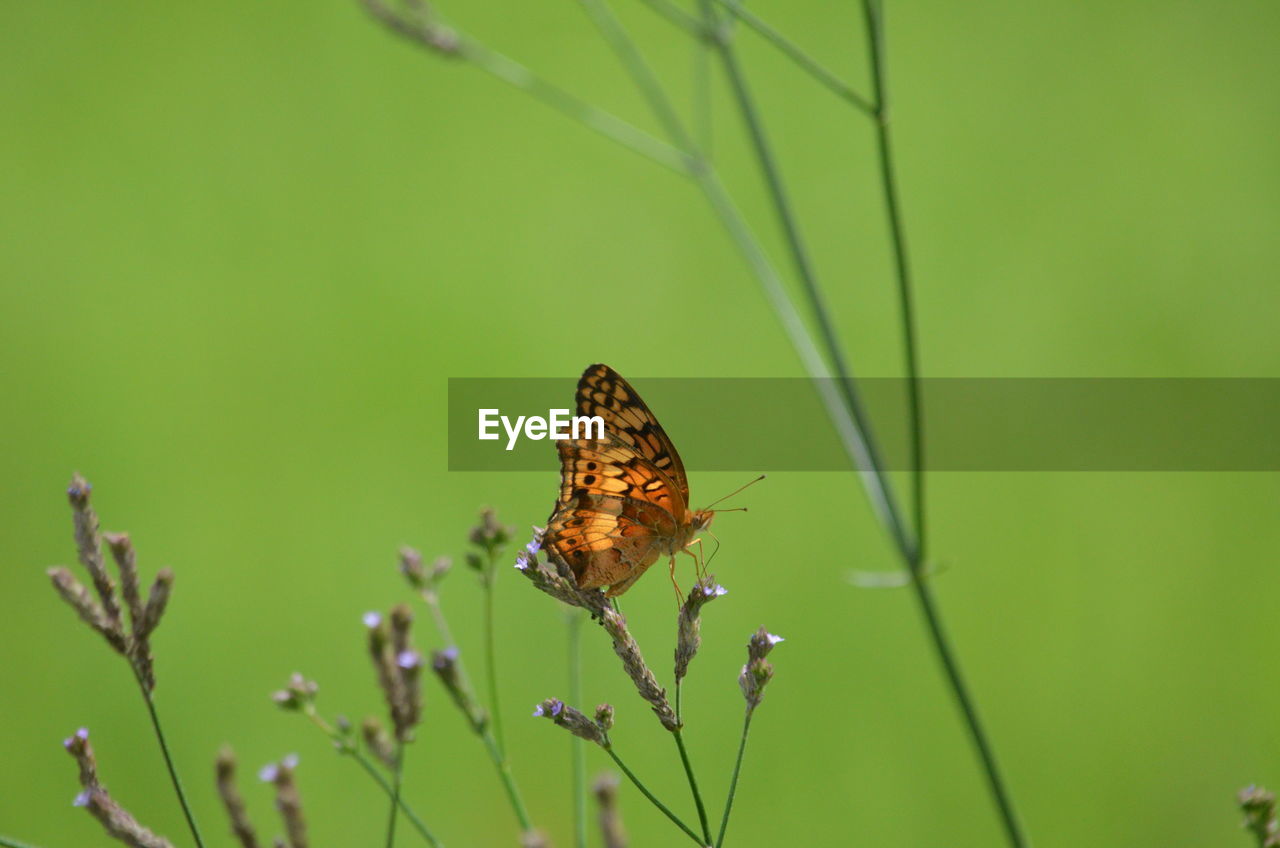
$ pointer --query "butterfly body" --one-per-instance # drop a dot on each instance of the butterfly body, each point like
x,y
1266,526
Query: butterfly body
x,y
624,498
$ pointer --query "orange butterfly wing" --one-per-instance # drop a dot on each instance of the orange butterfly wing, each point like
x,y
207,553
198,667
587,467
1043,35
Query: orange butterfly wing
x,y
603,392
624,498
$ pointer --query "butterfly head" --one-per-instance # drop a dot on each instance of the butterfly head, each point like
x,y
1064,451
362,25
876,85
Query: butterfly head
x,y
701,519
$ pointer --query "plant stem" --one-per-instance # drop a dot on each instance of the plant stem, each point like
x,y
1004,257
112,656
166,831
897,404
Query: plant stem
x,y
677,16
733,781
813,292
874,25
344,746
454,44
702,113
482,729
432,600
577,745
960,690
688,767
644,790
397,776
6,842
629,136
168,761
508,780
902,274
798,55
490,658
641,74
693,786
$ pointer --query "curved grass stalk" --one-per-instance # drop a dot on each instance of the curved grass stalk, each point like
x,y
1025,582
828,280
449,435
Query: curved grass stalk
x,y
644,790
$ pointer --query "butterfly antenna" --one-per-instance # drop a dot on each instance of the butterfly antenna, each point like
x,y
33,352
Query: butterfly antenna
x,y
734,492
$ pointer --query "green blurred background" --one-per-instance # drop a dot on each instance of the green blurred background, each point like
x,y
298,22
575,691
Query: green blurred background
x,y
245,244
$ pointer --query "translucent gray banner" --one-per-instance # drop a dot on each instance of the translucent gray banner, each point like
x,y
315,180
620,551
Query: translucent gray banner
x,y
972,424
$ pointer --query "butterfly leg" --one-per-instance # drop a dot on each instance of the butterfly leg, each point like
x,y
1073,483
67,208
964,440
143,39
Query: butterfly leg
x,y
674,584
699,561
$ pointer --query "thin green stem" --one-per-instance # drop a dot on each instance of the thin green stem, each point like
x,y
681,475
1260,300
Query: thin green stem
x,y
644,790
6,842
491,657
432,600
798,55
702,109
969,710
481,728
596,119
643,76
578,745
807,273
508,780
449,43
684,759
693,786
397,777
678,16
852,435
874,25
168,761
902,274
345,747
733,781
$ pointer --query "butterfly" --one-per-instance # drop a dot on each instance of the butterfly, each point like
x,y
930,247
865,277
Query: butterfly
x,y
624,498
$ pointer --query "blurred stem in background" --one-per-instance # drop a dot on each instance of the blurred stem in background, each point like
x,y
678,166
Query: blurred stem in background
x,y
343,744
491,651
397,778
828,367
577,745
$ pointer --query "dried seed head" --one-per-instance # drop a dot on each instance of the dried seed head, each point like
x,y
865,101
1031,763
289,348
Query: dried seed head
x,y
116,820
401,621
689,637
555,578
411,567
378,741
604,717
288,801
127,562
89,547
606,792
573,721
103,613
1259,808
298,694
446,667
241,827
757,673
397,670
489,535
625,646
79,598
412,23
